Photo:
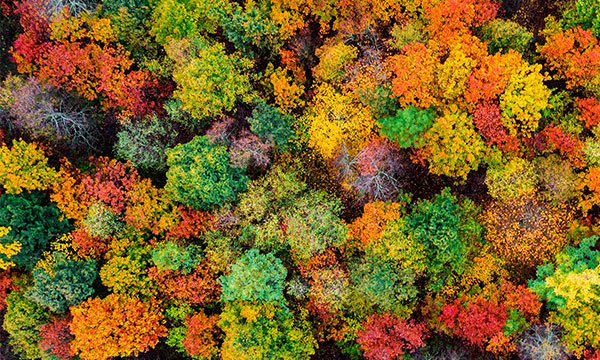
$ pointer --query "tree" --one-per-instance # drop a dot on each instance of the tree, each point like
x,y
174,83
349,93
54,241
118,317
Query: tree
x,y
503,35
255,277
47,113
24,167
336,121
488,120
414,71
523,100
69,284
145,143
201,336
56,339
408,126
115,326
32,223
332,60
452,146
526,231
252,30
386,337
22,320
542,341
511,180
272,125
209,80
261,332
568,287
385,285
370,226
574,54
178,19
201,176
447,228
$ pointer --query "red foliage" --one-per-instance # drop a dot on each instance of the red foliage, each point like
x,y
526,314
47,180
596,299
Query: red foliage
x,y
487,119
477,322
200,286
6,286
589,109
201,335
109,182
33,42
379,164
521,298
386,337
488,81
591,354
192,223
448,18
56,338
89,246
568,146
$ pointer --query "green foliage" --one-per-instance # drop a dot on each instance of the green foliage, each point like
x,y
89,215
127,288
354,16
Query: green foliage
x,y
33,223
271,124
101,221
69,284
145,143
503,35
585,13
408,126
384,284
170,256
264,332
252,31
22,321
255,277
201,176
447,229
313,224
409,32
178,19
209,80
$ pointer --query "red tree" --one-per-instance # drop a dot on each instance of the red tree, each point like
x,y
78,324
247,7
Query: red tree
x,y
56,338
386,337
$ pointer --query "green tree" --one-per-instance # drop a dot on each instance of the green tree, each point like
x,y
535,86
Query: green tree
x,y
201,176
271,124
255,277
384,284
209,80
447,228
408,126
68,284
252,30
33,223
22,320
145,143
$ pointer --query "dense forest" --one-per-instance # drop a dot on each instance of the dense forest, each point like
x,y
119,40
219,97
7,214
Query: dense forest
x,y
299,179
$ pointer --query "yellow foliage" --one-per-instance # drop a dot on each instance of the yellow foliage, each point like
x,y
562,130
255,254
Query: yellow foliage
x,y
64,245
332,61
8,250
25,167
452,145
453,74
336,120
524,99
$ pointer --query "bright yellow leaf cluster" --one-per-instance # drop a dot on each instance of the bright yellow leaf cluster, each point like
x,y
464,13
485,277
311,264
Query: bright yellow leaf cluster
x,y
25,167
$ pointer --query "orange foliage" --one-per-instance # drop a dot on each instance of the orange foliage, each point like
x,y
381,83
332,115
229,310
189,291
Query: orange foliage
x,y
488,81
414,75
369,227
575,54
200,286
526,232
202,335
589,111
115,326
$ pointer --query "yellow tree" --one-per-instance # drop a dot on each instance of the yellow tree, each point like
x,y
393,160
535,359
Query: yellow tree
x,y
336,120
